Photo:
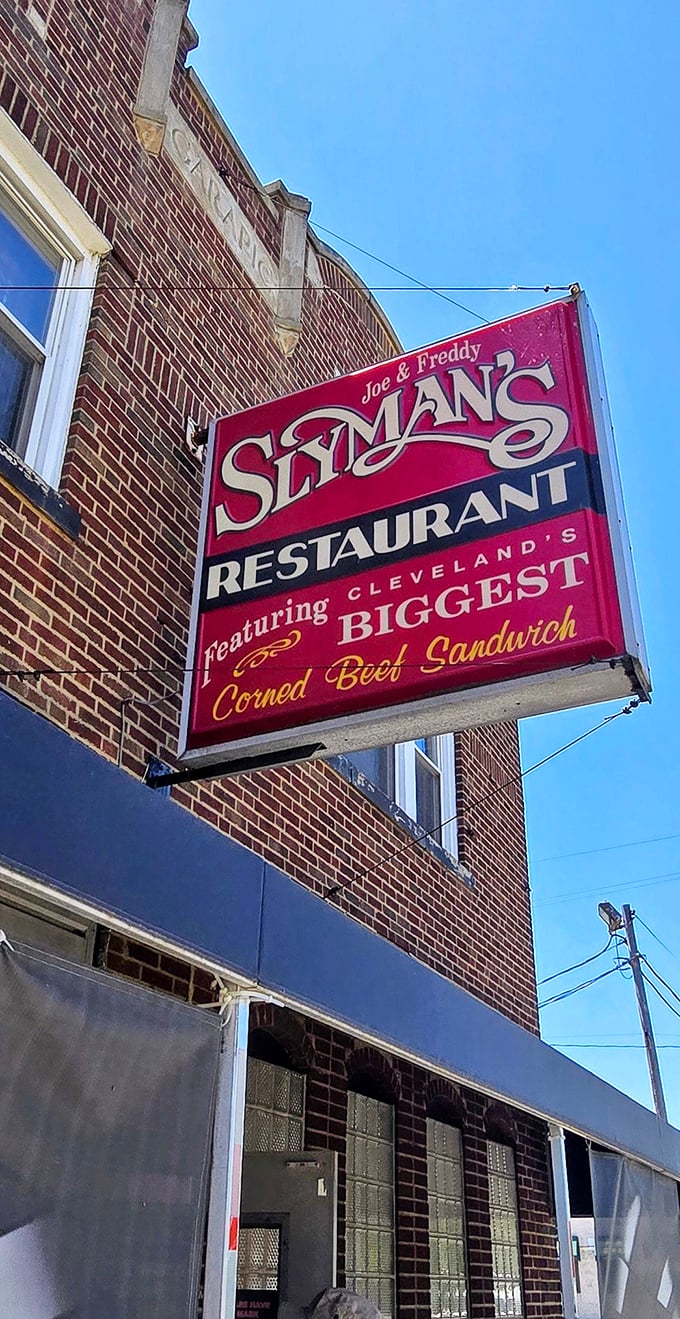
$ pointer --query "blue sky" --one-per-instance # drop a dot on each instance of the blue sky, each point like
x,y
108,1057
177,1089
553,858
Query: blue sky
x,y
500,144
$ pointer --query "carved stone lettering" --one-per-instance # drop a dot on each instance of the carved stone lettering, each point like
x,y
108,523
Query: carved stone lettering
x,y
221,206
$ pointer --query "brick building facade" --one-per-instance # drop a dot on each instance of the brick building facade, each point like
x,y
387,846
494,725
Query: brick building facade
x,y
151,278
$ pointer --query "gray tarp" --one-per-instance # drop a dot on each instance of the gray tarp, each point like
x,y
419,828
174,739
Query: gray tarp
x,y
106,1100
637,1235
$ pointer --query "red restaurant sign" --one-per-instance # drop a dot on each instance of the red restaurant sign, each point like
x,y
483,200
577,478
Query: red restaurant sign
x,y
431,543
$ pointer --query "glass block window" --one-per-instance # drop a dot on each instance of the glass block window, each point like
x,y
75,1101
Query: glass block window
x,y
275,1108
507,1272
448,1270
258,1259
370,1201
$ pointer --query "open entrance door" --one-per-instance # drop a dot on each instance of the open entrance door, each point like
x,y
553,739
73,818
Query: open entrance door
x,y
287,1241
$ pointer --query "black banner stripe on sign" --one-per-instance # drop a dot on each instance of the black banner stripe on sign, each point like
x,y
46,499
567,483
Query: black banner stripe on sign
x,y
507,501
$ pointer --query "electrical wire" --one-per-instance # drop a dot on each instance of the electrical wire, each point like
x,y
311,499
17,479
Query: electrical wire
x,y
334,889
429,288
622,962
595,851
165,286
204,286
655,936
667,877
659,977
630,1035
460,288
577,965
659,994
283,666
227,175
574,1044
576,989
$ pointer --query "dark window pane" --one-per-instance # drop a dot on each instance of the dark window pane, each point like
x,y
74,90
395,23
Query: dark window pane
x,y
428,798
26,260
378,766
16,370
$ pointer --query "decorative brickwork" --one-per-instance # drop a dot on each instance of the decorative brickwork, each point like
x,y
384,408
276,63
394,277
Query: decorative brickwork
x,y
369,1068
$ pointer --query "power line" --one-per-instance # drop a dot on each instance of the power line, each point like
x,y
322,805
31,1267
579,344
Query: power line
x,y
576,1044
405,275
227,175
576,989
622,963
659,994
166,286
660,977
668,877
516,778
461,288
655,936
577,965
100,671
614,847
630,1035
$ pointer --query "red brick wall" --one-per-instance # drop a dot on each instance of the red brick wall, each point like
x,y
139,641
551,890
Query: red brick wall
x,y
112,607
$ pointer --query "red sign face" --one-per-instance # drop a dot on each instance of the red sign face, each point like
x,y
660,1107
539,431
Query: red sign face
x,y
424,528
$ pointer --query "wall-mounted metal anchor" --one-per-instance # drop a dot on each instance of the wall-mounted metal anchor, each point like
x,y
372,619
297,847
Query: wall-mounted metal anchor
x,y
195,438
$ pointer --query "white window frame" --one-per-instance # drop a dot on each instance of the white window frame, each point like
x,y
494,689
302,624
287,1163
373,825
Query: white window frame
x,y
405,784
27,181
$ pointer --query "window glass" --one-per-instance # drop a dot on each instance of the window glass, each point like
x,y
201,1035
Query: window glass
x,y
378,766
370,1201
505,1248
448,1269
428,788
420,777
29,273
258,1258
17,373
275,1108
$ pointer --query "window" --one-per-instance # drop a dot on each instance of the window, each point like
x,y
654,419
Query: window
x,y
448,1271
425,786
378,766
507,1273
421,778
370,1200
259,1251
49,251
41,924
275,1108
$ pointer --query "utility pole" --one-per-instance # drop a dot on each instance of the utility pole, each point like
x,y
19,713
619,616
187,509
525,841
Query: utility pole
x,y
617,921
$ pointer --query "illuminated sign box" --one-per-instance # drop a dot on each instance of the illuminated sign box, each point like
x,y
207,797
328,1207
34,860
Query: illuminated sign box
x,y
433,543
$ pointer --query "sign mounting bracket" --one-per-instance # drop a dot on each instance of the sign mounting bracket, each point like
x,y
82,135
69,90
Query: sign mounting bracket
x,y
159,775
